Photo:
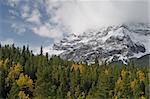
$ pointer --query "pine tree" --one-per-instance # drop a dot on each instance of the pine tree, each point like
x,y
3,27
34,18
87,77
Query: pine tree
x,y
41,51
13,93
104,89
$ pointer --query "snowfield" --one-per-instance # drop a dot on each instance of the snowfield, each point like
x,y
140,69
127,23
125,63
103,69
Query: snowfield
x,y
107,44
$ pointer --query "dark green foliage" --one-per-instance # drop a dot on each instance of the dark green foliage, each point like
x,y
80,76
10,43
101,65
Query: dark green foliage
x,y
54,78
12,94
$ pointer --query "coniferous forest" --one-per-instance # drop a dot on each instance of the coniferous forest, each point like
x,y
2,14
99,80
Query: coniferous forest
x,y
24,75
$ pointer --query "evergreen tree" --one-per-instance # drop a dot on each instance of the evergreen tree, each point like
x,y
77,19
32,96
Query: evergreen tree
x,y
24,75
41,51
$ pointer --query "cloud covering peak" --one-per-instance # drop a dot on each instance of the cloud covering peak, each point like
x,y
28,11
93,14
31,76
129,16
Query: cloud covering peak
x,y
56,18
79,16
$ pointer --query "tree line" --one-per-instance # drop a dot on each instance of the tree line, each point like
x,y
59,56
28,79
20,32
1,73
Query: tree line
x,y
24,75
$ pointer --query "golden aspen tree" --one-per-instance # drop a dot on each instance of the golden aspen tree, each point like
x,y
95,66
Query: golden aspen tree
x,y
22,95
140,74
24,80
13,74
1,64
123,73
75,67
118,87
133,84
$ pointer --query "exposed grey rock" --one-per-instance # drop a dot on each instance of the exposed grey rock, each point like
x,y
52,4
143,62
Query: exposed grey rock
x,y
108,44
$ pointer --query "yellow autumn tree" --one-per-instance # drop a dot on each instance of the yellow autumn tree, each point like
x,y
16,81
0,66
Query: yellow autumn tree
x,y
75,67
3,64
14,73
118,87
25,85
123,73
133,84
25,81
106,71
140,75
142,97
22,95
69,95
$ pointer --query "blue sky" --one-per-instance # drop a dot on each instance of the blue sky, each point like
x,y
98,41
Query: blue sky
x,y
24,22
43,22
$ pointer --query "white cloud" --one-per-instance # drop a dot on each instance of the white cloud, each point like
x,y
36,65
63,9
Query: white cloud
x,y
13,3
54,18
46,49
19,29
25,11
77,16
14,13
81,15
37,49
34,17
7,41
46,30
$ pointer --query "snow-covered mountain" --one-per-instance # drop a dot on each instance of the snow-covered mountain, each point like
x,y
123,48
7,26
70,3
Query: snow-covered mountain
x,y
107,44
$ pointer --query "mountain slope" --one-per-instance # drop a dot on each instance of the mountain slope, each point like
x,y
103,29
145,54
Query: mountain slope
x,y
107,44
141,61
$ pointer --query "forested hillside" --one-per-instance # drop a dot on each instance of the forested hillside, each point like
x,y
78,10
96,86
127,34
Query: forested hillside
x,y
24,75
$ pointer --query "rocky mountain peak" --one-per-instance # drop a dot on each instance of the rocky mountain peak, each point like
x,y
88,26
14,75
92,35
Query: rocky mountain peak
x,y
108,44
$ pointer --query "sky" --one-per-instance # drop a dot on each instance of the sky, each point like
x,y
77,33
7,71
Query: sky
x,y
44,22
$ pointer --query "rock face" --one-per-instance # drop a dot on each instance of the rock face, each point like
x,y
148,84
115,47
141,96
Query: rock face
x,y
107,44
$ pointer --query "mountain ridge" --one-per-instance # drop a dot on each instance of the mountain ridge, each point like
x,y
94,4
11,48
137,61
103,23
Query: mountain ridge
x,y
107,44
